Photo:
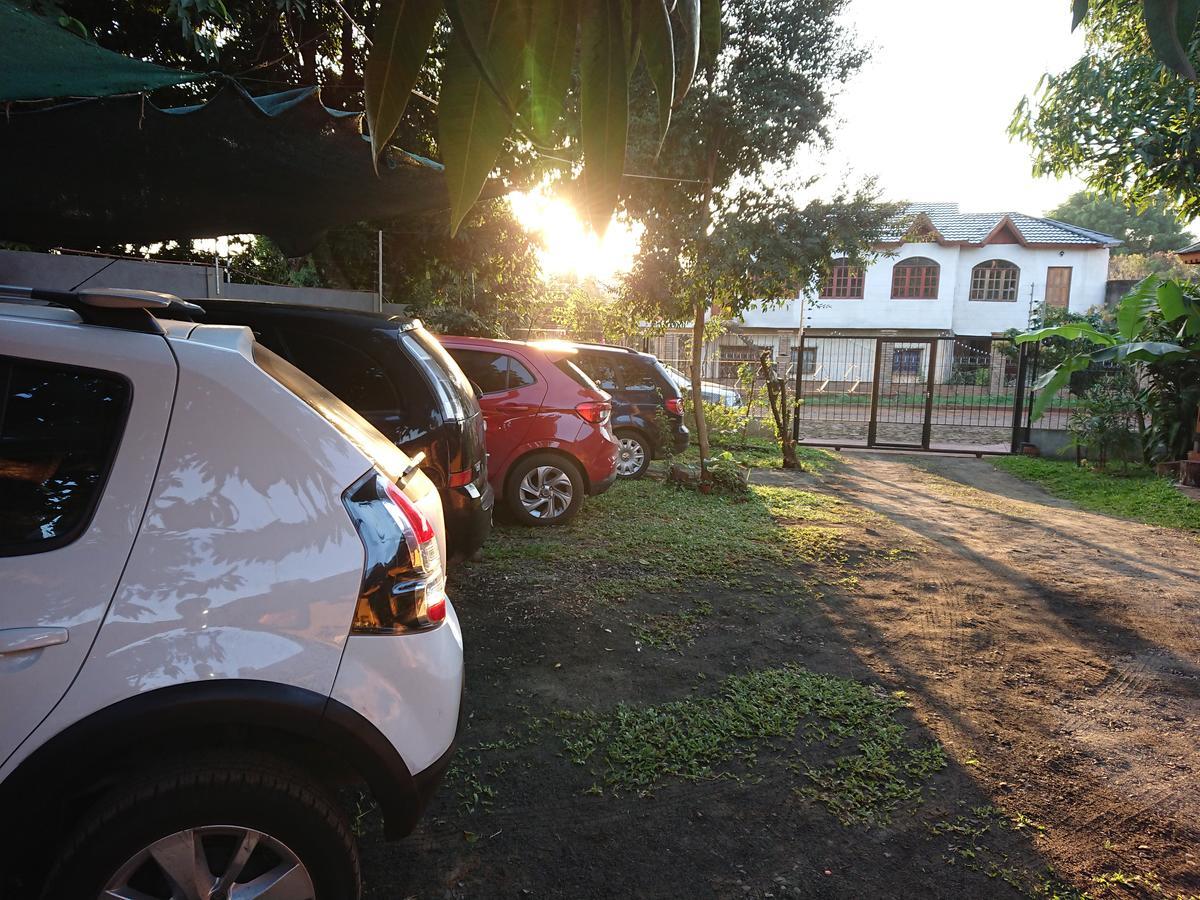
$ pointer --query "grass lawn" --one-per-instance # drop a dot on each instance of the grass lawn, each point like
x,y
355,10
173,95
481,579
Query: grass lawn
x,y
1141,495
759,453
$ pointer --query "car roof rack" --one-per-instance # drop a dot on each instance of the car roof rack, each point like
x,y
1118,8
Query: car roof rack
x,y
110,307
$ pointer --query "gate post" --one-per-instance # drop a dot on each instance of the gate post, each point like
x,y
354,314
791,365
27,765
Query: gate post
x,y
798,397
871,426
1019,399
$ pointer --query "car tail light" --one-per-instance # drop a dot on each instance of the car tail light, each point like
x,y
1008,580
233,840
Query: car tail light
x,y
675,405
594,411
403,584
459,479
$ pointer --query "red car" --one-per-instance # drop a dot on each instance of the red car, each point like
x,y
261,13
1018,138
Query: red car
x,y
549,438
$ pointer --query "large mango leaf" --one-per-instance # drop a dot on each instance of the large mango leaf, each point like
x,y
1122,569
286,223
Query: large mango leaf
x,y
402,37
548,60
710,31
473,121
689,21
603,108
659,55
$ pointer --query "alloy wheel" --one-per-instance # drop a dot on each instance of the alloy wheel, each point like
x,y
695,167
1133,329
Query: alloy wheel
x,y
212,862
631,456
546,492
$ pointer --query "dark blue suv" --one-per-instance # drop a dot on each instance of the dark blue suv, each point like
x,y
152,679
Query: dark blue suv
x,y
641,389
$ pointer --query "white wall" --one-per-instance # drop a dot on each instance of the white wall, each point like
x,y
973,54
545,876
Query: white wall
x,y
952,310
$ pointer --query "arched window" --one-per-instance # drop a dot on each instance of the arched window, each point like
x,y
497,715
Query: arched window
x,y
915,278
996,279
844,282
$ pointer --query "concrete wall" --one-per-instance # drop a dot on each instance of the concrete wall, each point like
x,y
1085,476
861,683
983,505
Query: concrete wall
x,y
64,272
952,310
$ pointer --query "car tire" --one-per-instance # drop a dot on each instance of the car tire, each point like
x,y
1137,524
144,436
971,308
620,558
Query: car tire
x,y
283,823
544,489
633,453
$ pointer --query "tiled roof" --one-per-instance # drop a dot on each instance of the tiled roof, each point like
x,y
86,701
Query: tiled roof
x,y
1194,248
973,228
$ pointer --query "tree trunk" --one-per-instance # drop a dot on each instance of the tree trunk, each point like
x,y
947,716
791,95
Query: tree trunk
x,y
697,378
777,399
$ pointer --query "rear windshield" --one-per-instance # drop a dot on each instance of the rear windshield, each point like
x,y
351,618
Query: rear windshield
x,y
390,459
673,380
453,390
576,374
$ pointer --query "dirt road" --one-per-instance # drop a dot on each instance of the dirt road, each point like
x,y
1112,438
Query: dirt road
x,y
1058,649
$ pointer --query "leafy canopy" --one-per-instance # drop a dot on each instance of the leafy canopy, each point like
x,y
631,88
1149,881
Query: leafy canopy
x,y
1155,229
509,67
721,223
1121,117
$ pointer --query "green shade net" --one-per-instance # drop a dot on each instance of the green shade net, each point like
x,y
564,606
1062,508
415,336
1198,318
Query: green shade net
x,y
40,60
122,170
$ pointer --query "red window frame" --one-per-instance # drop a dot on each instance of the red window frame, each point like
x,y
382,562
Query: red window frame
x,y
916,278
844,282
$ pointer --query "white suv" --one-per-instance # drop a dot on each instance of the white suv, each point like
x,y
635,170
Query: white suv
x,y
221,596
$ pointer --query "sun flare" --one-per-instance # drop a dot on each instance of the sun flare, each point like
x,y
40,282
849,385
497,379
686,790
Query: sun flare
x,y
569,248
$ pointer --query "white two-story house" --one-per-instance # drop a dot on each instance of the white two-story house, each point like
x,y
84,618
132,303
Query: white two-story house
x,y
961,277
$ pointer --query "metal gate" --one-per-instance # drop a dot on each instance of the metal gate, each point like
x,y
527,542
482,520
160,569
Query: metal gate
x,y
921,393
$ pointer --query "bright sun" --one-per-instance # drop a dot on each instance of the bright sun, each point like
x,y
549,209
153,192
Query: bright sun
x,y
570,248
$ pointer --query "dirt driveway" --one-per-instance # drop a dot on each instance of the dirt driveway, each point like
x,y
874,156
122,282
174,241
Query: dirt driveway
x,y
1054,655
1058,648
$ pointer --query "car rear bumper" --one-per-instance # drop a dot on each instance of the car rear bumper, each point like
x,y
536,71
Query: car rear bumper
x,y
410,687
599,487
468,514
680,438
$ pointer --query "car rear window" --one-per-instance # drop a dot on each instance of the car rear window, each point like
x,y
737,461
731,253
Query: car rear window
x,y
492,371
454,391
390,459
59,430
575,373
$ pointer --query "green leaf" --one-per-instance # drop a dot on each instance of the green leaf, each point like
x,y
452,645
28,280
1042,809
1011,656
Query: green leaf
x,y
1132,312
603,108
710,31
472,121
548,59
1072,332
1079,13
689,20
1054,381
1142,351
659,53
469,19
402,37
1170,301
1166,21
73,25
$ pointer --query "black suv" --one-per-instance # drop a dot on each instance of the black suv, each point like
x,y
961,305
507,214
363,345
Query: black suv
x,y
396,375
641,389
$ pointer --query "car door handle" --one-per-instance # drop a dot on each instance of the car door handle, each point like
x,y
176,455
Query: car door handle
x,y
19,640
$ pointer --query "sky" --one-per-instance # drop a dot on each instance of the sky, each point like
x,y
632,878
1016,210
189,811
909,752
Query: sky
x,y
928,114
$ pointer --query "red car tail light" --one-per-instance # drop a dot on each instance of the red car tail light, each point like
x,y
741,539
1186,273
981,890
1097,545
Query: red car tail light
x,y
675,405
403,585
594,411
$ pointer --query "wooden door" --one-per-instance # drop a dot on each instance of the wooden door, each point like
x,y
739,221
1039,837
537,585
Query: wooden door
x,y
1058,286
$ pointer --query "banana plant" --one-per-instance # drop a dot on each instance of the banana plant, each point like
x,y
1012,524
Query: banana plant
x,y
1154,300
509,66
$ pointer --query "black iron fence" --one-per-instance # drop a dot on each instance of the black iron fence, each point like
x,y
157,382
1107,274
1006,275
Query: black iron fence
x,y
949,394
